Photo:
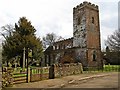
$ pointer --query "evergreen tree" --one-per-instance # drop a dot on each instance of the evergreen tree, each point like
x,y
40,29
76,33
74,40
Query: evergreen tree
x,y
23,37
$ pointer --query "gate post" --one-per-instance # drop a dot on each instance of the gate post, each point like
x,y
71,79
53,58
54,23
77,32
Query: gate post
x,y
28,75
51,72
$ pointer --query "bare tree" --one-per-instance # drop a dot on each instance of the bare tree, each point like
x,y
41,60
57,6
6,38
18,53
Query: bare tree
x,y
7,31
113,41
50,38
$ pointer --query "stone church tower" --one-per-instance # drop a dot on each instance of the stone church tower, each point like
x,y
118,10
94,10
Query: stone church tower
x,y
84,46
86,34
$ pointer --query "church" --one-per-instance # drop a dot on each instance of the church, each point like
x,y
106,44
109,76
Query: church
x,y
84,47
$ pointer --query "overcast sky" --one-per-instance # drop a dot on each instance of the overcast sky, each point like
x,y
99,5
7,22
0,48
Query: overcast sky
x,y
57,15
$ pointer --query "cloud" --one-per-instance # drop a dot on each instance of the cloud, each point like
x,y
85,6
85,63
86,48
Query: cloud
x,y
105,32
56,15
109,14
119,14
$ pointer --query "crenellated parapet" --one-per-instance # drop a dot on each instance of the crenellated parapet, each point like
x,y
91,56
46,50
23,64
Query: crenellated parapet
x,y
85,4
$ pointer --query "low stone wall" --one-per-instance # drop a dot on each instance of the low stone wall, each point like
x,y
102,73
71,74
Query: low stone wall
x,y
42,73
7,77
67,69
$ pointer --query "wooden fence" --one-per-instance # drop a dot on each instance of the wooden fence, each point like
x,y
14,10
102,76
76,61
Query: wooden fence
x,y
37,74
19,77
30,74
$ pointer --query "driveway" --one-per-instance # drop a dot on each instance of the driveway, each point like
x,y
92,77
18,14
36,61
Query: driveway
x,y
93,80
108,81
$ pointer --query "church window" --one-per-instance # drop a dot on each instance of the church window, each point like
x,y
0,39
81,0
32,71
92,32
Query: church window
x,y
93,20
94,56
92,24
55,47
59,46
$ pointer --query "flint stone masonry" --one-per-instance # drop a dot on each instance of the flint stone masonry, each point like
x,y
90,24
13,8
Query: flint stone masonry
x,y
67,69
7,77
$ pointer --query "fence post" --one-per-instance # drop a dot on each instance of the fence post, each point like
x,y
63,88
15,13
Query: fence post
x,y
28,75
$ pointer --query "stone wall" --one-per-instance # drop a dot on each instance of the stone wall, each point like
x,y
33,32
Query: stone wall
x,y
67,69
7,77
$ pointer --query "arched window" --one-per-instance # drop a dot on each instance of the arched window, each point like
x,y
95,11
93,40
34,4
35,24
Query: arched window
x,y
55,47
94,56
93,20
92,28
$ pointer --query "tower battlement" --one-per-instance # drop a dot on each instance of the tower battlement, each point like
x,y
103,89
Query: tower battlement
x,y
86,4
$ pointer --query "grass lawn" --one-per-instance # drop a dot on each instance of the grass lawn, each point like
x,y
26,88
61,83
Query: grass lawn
x,y
20,70
106,68
111,68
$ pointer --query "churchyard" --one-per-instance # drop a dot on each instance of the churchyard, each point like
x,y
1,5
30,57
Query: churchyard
x,y
25,60
12,76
